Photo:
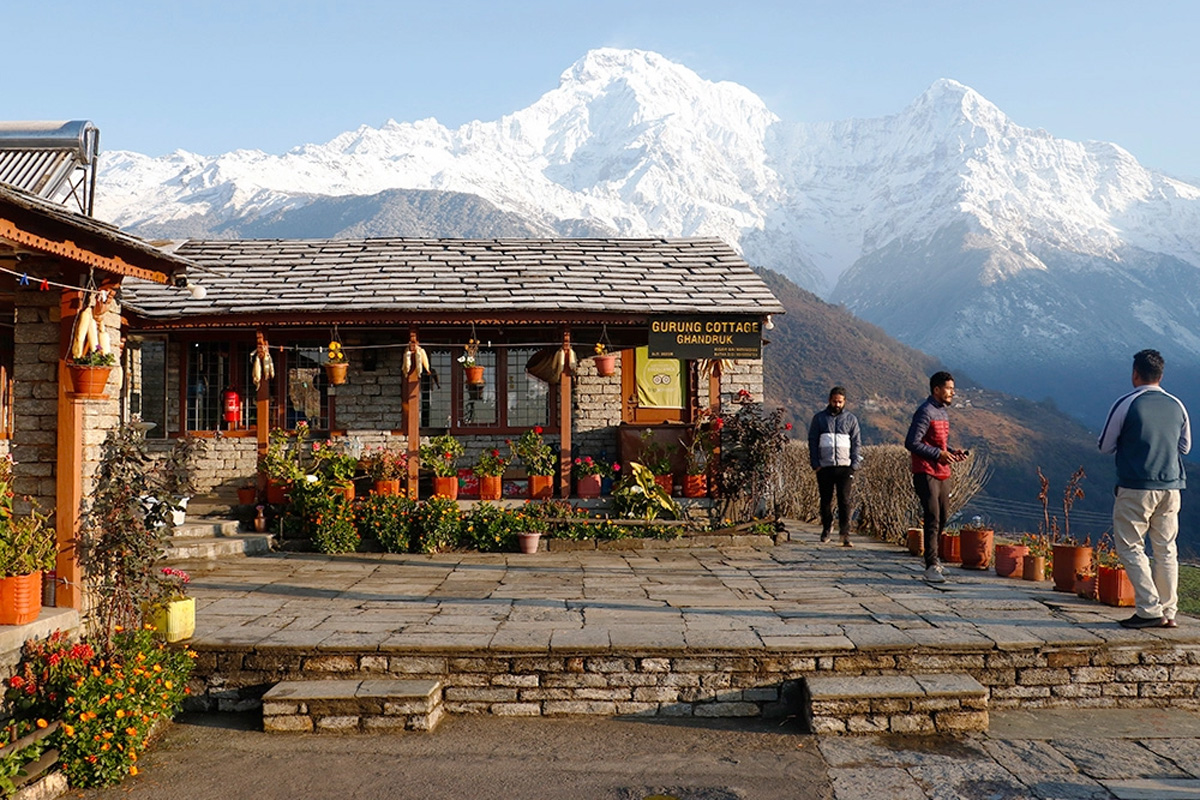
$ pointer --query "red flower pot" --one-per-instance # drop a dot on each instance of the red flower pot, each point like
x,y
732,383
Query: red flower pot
x,y
277,491
474,376
1066,560
490,487
949,548
541,487
588,486
916,541
1008,559
20,598
606,365
695,485
247,495
667,482
386,487
1114,587
446,487
88,382
976,547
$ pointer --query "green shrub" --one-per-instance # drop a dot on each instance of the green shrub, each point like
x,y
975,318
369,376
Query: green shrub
x,y
326,517
489,528
436,525
386,519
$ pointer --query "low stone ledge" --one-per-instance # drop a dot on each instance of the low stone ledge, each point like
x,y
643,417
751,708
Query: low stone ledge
x,y
863,704
351,706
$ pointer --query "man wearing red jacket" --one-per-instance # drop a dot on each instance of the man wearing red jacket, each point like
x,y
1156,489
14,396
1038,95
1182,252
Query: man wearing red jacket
x,y
928,440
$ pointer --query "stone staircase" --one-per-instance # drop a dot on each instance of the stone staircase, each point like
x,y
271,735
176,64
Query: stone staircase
x,y
352,706
212,539
907,704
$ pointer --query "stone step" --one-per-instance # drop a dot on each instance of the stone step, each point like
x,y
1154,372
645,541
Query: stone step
x,y
206,529
908,704
352,706
245,544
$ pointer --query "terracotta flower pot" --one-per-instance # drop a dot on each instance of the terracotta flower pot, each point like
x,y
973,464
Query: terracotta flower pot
x,y
88,382
916,541
949,548
20,598
667,482
247,495
606,365
446,487
490,487
336,372
541,487
695,485
1066,560
1085,586
387,487
1033,568
474,376
277,491
976,547
587,486
528,542
1114,586
346,489
1008,559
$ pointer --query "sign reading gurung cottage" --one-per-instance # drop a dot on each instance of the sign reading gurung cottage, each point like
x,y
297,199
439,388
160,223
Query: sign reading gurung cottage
x,y
694,337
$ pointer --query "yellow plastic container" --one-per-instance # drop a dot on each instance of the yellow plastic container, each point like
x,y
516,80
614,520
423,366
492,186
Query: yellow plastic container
x,y
176,620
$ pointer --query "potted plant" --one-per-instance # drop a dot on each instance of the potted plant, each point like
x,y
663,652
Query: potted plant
x,y
1037,562
27,549
178,474
385,467
89,372
915,539
438,456
656,457
589,472
531,449
281,462
490,467
335,467
639,496
1113,586
336,366
1009,558
606,362
976,546
1068,556
173,615
247,494
949,547
473,371
698,450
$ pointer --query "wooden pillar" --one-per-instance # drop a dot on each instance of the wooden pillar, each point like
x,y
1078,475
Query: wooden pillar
x,y
564,418
68,476
714,387
412,414
262,406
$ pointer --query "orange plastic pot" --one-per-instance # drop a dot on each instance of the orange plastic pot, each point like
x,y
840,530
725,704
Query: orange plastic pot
x,y
20,598
1067,560
976,547
606,366
916,541
587,486
541,487
88,382
949,548
446,487
386,487
490,487
1008,559
1114,586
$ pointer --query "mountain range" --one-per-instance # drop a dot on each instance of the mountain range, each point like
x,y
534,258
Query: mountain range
x,y
1036,264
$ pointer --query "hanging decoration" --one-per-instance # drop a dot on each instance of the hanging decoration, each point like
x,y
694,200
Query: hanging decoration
x,y
261,365
606,362
468,359
422,362
336,365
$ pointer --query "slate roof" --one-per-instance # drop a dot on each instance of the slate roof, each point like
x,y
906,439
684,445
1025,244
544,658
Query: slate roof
x,y
548,277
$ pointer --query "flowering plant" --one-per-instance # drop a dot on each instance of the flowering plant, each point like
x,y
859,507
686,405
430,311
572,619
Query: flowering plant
x,y
655,455
440,454
331,463
586,465
174,584
336,354
470,353
601,349
95,358
383,464
491,463
533,452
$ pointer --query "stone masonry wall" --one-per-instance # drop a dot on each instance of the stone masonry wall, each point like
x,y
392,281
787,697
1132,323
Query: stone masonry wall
x,y
707,684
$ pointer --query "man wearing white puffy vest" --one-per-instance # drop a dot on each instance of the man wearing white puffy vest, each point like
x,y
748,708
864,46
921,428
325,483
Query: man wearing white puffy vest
x,y
1149,432
835,451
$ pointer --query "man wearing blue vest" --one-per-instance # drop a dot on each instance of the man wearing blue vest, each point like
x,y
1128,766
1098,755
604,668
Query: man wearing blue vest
x,y
1149,432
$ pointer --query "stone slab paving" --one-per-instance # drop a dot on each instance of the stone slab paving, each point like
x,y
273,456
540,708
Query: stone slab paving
x,y
795,596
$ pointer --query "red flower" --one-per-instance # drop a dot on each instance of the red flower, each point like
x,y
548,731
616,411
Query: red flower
x,y
787,427
16,681
616,467
537,429
495,453
718,423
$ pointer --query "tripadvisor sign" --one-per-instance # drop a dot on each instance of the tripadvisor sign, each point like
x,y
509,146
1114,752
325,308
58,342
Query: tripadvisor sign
x,y
705,337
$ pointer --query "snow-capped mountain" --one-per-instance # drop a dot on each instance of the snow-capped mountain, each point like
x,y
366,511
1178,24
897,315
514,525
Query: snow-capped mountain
x,y
1021,258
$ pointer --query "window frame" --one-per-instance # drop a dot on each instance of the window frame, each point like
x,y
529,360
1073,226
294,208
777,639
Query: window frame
x,y
499,378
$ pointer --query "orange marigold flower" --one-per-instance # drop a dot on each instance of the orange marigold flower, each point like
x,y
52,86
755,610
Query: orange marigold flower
x,y
132,756
132,770
104,747
120,713
107,734
41,723
168,684
68,730
131,731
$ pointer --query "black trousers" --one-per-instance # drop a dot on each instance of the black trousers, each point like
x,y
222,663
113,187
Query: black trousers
x,y
934,495
842,480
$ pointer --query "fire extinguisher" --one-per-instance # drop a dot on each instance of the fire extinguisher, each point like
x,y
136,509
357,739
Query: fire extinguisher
x,y
232,402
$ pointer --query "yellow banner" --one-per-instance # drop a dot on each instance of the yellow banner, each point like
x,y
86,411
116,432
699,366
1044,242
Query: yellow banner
x,y
659,381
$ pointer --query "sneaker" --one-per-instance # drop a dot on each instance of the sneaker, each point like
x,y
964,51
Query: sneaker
x,y
824,536
934,574
1169,623
847,543
1143,622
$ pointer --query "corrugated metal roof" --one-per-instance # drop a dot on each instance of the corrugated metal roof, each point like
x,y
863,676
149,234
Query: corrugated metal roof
x,y
354,276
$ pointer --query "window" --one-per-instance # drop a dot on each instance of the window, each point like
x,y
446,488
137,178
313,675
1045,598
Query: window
x,y
508,398
306,389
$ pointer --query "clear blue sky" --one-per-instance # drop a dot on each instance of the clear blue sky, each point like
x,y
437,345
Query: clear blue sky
x,y
209,77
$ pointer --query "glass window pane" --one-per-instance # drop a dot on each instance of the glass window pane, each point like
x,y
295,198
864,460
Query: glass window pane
x,y
207,377
479,402
527,398
147,365
435,390
307,398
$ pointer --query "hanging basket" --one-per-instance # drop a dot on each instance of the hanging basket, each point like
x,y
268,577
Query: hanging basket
x,y
336,372
88,382
474,376
606,365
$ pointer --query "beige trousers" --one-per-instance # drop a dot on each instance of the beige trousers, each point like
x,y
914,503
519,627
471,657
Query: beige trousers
x,y
1138,515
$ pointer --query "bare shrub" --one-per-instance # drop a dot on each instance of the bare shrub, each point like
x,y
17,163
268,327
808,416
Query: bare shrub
x,y
796,484
887,504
